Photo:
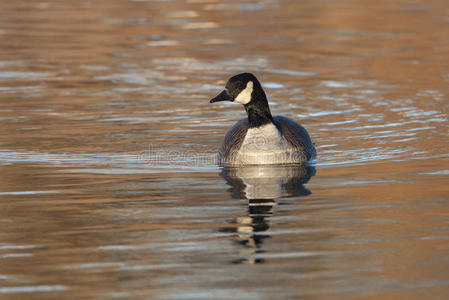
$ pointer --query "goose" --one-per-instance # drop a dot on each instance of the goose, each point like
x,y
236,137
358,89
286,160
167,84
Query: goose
x,y
260,138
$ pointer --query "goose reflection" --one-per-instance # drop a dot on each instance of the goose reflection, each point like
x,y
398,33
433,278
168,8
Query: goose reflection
x,y
261,186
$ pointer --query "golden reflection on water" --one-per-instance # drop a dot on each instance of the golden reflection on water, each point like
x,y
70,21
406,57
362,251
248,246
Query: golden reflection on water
x,y
108,184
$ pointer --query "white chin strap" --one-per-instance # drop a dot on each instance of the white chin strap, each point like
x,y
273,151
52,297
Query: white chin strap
x,y
245,96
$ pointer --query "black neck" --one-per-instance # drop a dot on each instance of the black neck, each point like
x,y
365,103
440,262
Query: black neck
x,y
258,111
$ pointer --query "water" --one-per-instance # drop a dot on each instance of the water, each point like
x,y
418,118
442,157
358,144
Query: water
x,y
108,183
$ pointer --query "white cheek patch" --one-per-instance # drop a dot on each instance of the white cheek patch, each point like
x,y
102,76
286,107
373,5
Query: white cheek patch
x,y
245,96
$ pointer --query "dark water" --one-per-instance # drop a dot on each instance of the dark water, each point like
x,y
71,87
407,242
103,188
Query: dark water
x,y
108,184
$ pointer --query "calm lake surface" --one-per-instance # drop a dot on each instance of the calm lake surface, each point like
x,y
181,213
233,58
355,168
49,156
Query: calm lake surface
x,y
109,187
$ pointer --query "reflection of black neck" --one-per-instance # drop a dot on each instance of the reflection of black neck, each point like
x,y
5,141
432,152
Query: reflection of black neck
x,y
258,212
257,109
260,208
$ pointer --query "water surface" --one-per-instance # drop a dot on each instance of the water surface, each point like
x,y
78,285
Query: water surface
x,y
109,187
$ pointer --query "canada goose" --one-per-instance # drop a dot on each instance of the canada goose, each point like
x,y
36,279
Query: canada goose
x,y
260,138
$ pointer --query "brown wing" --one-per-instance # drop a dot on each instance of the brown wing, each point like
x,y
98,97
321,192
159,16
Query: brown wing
x,y
296,135
232,141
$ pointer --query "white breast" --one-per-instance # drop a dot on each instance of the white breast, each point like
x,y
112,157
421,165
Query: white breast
x,y
264,145
259,138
